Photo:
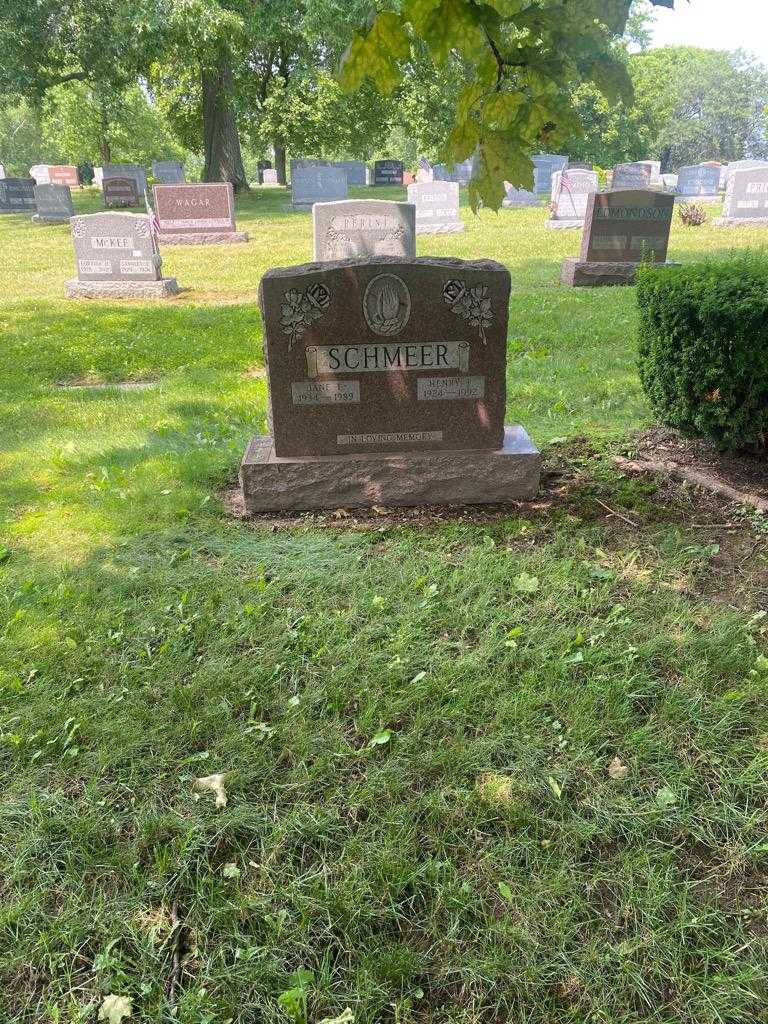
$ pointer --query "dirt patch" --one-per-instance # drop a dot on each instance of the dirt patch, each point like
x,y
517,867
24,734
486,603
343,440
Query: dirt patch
x,y
255,373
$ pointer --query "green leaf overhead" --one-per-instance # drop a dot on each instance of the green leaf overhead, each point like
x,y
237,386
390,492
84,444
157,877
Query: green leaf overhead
x,y
524,59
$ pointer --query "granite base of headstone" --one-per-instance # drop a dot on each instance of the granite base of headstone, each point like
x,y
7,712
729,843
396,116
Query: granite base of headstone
x,y
199,214
54,204
437,207
387,386
622,229
117,258
363,227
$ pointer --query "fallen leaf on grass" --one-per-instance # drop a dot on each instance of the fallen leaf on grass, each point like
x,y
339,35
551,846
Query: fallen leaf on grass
x,y
665,797
115,1008
617,770
213,784
506,892
380,738
525,583
555,786
230,871
345,1017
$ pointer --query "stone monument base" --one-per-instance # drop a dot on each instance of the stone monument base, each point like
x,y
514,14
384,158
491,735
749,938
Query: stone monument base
x,y
272,484
203,238
740,222
578,274
563,225
161,289
38,219
452,228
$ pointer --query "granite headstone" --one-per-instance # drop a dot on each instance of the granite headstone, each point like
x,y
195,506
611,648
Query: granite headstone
x,y
746,198
631,176
40,173
135,171
437,207
117,257
387,387
388,172
196,214
570,191
119,192
269,178
699,181
17,195
517,197
355,170
363,227
315,181
168,172
544,166
54,204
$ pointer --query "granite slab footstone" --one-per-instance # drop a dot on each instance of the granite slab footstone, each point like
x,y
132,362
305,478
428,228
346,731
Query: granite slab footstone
x,y
437,207
196,214
746,199
621,230
54,204
17,195
363,227
117,257
387,385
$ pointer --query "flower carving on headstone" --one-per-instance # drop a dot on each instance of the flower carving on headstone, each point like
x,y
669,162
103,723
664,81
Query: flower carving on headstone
x,y
471,304
301,309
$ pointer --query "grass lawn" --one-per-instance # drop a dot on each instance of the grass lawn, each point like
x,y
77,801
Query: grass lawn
x,y
416,720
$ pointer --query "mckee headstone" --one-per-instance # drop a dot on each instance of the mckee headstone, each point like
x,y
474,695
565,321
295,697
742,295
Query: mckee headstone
x,y
631,176
119,192
54,204
621,230
570,192
387,387
363,227
700,182
168,172
199,214
544,166
17,195
117,257
314,181
746,199
516,197
388,172
437,207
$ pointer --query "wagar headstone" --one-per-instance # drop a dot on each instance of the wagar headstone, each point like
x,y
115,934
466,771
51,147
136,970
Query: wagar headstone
x,y
168,172
388,172
631,176
119,192
269,178
315,181
570,191
363,227
117,257
699,181
387,387
621,230
516,197
17,195
746,199
355,171
135,171
544,166
201,214
54,204
437,207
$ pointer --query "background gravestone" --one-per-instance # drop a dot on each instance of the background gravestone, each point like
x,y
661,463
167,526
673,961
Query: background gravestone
x,y
437,207
314,181
425,171
363,227
669,181
117,257
54,204
17,195
388,172
518,197
168,172
462,172
544,166
40,173
196,214
269,177
701,181
631,176
119,192
746,198
64,174
387,384
654,167
2,171
570,192
739,165
621,230
355,171
134,171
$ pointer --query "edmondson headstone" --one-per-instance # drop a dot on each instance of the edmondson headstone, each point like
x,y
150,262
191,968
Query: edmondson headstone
x,y
570,191
119,192
168,172
54,204
387,387
17,195
746,198
701,181
388,172
437,207
117,257
621,230
631,176
196,214
314,181
363,227
544,166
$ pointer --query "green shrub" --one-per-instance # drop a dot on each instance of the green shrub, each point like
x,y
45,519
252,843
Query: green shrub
x,y
704,348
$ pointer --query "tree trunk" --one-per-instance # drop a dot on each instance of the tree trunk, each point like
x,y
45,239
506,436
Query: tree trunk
x,y
279,147
223,159
105,149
